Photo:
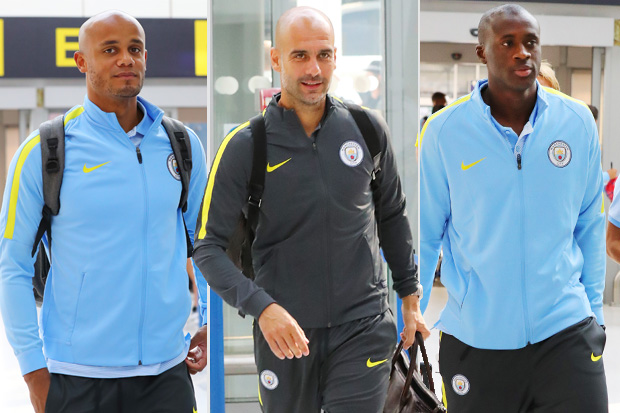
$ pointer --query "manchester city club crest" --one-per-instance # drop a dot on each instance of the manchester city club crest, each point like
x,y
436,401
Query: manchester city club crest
x,y
173,167
351,153
269,379
460,384
559,153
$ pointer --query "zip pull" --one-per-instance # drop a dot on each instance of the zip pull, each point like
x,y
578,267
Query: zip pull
x,y
519,161
314,145
140,154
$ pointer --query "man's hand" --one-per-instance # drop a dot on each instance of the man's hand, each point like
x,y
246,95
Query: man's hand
x,y
196,359
412,316
284,336
38,382
613,173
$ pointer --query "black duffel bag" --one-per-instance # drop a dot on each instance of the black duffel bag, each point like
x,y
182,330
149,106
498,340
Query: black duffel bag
x,y
407,392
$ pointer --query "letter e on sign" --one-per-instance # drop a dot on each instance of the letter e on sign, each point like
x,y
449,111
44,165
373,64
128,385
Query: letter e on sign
x,y
63,45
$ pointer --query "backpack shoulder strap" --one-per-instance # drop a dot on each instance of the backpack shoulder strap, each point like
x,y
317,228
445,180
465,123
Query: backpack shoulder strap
x,y
182,149
371,137
52,133
369,132
259,166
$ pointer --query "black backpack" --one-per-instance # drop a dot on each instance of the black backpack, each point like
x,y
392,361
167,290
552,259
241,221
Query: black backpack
x,y
240,244
52,134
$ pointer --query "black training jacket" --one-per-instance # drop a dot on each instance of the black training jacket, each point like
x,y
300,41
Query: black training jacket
x,y
316,251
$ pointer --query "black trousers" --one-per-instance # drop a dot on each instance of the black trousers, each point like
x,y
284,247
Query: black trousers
x,y
170,392
347,369
562,374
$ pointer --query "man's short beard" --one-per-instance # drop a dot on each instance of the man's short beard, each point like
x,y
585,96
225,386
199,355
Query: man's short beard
x,y
127,91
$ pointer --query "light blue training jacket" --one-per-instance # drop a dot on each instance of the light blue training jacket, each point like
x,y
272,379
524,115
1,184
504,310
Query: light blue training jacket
x,y
117,293
524,249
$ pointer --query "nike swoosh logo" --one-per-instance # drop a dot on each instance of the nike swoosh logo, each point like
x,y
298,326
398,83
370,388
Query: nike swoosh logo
x,y
595,358
87,170
466,167
273,168
195,411
371,364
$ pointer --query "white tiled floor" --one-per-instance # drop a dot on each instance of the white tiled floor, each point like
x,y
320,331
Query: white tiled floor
x,y
14,393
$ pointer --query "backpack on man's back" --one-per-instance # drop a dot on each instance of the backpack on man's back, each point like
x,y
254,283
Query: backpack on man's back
x,y
240,243
52,133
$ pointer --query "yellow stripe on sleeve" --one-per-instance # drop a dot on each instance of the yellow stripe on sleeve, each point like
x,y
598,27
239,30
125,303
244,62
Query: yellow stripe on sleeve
x,y
443,395
603,202
73,114
557,92
206,202
10,222
434,115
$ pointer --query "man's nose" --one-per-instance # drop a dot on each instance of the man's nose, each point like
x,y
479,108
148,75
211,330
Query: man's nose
x,y
522,53
313,68
125,58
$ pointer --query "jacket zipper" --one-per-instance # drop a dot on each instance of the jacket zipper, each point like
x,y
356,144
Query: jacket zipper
x,y
326,242
145,249
519,162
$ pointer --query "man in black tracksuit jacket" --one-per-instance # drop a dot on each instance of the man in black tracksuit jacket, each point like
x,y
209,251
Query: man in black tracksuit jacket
x,y
324,333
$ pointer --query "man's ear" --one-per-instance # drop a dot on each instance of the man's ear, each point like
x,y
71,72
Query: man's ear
x,y
481,53
80,61
275,59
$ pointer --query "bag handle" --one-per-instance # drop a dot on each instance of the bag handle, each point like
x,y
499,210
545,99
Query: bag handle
x,y
419,341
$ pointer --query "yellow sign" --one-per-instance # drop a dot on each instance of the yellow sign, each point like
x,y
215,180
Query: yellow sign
x,y
63,45
617,32
1,47
200,47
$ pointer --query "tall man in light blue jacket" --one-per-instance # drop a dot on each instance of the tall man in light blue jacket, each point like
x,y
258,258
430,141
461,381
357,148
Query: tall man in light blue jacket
x,y
511,189
116,299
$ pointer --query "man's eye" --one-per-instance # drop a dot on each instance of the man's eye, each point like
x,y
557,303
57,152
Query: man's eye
x,y
110,50
299,56
507,43
135,50
325,55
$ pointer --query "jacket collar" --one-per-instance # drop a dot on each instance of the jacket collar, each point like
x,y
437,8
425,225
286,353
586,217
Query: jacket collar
x,y
540,107
289,115
108,120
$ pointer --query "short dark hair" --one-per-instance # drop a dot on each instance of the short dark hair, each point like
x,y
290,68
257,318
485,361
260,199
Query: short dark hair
x,y
508,9
438,95
594,111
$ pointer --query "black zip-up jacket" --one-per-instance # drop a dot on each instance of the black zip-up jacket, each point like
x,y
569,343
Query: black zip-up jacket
x,y
316,251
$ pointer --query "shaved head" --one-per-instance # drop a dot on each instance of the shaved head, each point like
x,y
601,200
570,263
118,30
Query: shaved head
x,y
110,17
509,45
299,17
507,10
112,54
305,56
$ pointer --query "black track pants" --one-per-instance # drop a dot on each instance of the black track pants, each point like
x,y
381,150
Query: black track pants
x,y
347,369
562,374
170,392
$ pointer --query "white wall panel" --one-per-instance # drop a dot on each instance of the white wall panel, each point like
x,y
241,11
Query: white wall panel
x,y
137,8
18,98
180,96
41,8
189,9
63,97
